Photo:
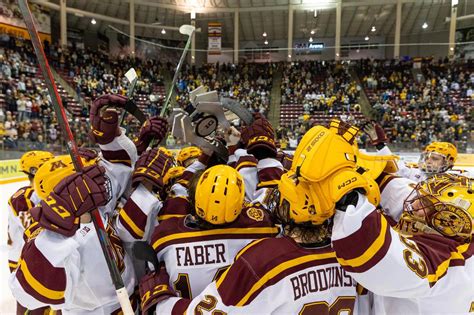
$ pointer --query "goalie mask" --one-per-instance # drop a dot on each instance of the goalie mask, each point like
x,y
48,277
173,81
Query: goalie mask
x,y
438,157
443,204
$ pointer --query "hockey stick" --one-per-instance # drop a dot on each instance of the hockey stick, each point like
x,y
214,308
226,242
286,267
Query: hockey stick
x,y
143,251
185,30
74,153
131,106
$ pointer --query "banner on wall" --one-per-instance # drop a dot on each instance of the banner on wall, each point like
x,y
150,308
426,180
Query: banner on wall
x,y
11,21
214,31
10,169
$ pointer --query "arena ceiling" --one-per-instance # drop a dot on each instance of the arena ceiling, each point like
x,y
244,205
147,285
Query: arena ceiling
x,y
271,16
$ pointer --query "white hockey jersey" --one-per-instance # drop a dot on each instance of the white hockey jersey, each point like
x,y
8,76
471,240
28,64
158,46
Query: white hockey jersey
x,y
420,274
195,257
19,219
276,276
70,273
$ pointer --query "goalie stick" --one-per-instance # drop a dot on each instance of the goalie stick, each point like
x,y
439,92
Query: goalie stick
x,y
74,153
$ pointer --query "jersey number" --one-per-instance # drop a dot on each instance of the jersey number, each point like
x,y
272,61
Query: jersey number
x,y
342,304
418,266
208,304
183,287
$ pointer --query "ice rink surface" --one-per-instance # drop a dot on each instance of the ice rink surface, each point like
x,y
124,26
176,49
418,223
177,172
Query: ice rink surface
x,y
7,303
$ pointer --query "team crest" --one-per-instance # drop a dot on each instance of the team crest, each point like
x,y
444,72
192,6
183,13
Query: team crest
x,y
255,214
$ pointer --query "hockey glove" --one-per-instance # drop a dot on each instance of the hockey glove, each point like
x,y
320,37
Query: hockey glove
x,y
153,128
259,139
375,133
75,195
87,154
151,169
104,121
153,289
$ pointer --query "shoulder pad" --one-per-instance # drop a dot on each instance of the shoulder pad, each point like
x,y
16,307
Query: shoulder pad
x,y
20,201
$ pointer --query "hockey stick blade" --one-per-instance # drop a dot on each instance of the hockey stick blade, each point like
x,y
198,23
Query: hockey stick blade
x,y
234,106
145,252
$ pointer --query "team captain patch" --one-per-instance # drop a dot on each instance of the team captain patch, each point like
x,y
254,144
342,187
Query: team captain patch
x,y
255,214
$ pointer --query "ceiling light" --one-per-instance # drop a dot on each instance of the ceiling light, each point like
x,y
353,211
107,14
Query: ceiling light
x,y
289,56
373,29
266,42
93,21
358,50
366,38
315,13
163,31
425,25
310,39
337,54
264,34
312,32
451,48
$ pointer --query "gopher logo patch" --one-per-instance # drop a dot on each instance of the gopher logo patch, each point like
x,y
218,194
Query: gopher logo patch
x,y
255,214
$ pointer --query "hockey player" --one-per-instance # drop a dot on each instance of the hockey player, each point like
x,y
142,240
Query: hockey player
x,y
66,245
19,218
437,157
425,269
296,273
199,247
429,254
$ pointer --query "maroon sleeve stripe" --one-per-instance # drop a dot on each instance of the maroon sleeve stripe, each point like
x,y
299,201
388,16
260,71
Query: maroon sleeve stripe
x,y
269,174
384,179
180,307
246,161
12,265
119,156
185,178
361,250
133,219
175,206
35,276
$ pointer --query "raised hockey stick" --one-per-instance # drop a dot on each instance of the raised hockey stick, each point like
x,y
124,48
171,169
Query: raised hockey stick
x,y
74,153
131,106
185,30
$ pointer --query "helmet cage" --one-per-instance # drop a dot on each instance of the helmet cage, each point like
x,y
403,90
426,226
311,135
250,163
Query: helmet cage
x,y
434,162
450,219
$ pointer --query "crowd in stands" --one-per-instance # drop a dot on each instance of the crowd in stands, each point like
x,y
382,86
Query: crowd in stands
x,y
432,103
251,84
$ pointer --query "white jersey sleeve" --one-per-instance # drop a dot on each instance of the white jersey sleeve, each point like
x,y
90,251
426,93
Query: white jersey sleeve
x,y
137,218
70,273
420,270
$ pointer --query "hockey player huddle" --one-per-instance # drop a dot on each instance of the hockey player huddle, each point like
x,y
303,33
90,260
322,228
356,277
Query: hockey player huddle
x,y
330,230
